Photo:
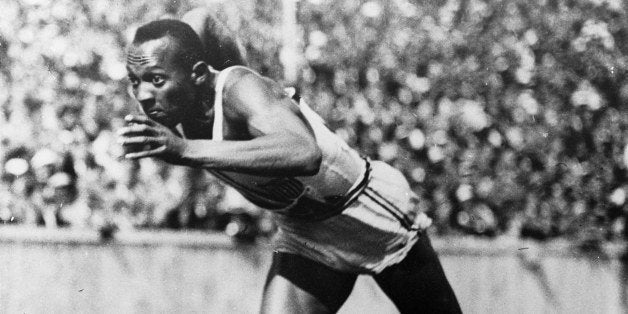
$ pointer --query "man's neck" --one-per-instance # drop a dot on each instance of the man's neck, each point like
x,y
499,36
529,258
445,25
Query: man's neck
x,y
198,123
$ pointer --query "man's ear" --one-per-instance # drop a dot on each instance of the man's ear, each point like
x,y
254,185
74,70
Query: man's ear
x,y
200,73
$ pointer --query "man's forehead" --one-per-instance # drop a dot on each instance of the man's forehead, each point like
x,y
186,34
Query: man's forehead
x,y
151,51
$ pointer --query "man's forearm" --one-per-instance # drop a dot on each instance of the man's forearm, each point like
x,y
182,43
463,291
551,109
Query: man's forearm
x,y
269,155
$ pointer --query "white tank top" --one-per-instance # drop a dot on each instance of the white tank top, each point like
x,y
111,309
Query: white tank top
x,y
342,172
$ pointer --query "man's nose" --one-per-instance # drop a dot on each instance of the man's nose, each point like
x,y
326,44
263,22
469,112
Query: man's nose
x,y
144,92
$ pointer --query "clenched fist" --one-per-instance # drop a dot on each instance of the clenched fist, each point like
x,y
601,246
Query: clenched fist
x,y
142,137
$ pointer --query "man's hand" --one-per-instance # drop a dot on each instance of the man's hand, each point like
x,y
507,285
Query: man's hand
x,y
143,138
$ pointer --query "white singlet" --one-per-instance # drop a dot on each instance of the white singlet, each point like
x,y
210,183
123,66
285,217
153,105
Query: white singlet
x,y
359,226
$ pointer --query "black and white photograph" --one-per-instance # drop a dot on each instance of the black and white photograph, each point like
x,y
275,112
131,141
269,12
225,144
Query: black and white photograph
x,y
314,156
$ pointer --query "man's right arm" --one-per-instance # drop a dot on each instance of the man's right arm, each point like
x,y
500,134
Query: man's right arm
x,y
280,140
277,139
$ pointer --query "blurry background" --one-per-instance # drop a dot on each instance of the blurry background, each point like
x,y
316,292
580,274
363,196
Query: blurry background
x,y
508,117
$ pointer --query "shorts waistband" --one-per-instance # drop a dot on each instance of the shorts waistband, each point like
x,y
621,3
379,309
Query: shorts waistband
x,y
313,210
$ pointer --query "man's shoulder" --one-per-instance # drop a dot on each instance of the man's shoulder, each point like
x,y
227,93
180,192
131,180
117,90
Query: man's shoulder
x,y
243,81
242,88
240,73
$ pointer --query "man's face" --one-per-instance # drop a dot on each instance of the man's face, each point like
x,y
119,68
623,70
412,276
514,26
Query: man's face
x,y
163,88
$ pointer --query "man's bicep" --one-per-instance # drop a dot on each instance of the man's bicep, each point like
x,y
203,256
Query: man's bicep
x,y
280,120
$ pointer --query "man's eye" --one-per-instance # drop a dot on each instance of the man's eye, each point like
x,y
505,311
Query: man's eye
x,y
157,80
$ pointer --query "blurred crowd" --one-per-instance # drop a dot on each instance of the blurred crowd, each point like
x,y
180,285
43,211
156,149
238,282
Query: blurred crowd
x,y
79,179
506,116
64,94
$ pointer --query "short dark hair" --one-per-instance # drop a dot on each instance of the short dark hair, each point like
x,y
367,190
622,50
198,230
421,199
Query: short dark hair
x,y
190,48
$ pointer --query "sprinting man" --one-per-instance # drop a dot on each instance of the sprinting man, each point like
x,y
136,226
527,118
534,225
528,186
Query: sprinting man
x,y
338,214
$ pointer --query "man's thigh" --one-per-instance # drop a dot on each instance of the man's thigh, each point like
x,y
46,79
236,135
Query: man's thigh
x,y
418,284
299,285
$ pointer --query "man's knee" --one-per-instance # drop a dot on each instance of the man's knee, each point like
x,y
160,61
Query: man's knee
x,y
292,274
282,296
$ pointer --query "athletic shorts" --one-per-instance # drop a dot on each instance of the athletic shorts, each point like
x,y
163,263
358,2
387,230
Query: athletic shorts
x,y
374,232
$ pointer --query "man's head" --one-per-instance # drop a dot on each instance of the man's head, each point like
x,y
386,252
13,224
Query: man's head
x,y
165,69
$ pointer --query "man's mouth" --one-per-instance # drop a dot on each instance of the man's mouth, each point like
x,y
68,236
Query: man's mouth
x,y
156,113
